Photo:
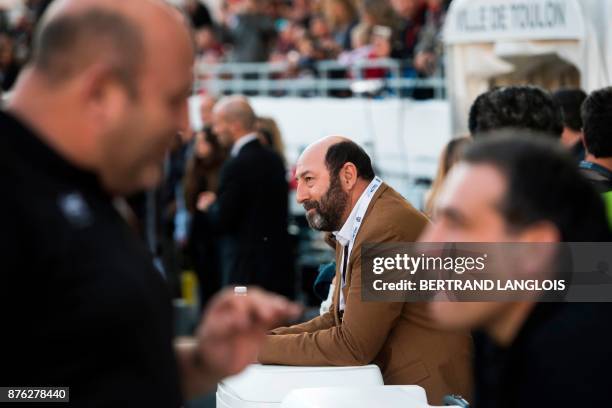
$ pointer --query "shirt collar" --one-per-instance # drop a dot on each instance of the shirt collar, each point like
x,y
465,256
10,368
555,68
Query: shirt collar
x,y
239,144
344,235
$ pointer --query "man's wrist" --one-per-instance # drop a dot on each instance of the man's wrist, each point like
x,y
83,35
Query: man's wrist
x,y
198,377
197,361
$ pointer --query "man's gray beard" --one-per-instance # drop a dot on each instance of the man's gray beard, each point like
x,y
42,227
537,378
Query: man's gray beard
x,y
332,205
316,221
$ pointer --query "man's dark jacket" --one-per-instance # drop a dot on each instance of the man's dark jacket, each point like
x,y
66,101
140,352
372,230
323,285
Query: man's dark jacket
x,y
251,213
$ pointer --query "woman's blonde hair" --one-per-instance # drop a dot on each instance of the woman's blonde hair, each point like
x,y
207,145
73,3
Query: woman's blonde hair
x,y
270,134
452,153
380,11
332,20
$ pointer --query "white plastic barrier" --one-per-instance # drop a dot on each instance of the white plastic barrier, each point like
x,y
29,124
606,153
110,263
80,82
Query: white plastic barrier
x,y
389,396
265,386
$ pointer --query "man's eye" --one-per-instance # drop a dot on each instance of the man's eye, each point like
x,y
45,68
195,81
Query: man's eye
x,y
308,179
452,223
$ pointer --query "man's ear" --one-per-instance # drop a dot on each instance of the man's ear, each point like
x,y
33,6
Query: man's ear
x,y
105,99
582,139
234,127
348,176
538,250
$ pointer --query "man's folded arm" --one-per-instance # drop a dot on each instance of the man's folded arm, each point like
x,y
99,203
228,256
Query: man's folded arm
x,y
322,322
356,341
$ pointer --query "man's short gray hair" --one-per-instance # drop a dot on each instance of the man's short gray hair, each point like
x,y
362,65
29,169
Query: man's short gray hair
x,y
67,44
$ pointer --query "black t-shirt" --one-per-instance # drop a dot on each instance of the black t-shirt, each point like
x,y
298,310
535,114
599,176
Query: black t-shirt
x,y
560,358
81,303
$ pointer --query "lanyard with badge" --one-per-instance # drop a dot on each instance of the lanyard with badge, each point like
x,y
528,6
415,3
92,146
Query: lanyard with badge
x,y
361,210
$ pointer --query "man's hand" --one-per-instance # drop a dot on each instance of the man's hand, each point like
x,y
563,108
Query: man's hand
x,y
234,327
229,336
205,200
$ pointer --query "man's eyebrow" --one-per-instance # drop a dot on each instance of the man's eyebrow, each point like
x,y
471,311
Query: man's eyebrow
x,y
452,213
302,174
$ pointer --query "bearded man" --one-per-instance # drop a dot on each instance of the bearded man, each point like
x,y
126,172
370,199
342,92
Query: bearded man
x,y
341,194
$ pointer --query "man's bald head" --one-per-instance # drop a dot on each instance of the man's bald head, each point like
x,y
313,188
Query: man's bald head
x,y
335,152
75,34
236,109
321,146
233,118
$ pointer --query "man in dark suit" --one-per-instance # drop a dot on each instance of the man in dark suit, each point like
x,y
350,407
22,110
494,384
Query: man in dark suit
x,y
250,209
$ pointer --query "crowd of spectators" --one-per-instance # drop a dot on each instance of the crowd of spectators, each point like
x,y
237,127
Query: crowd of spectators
x,y
298,33
302,32
16,31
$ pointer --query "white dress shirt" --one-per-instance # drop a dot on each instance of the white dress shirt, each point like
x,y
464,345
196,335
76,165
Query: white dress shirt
x,y
345,234
239,144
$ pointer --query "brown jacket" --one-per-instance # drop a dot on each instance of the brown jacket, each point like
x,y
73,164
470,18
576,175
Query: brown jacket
x,y
399,337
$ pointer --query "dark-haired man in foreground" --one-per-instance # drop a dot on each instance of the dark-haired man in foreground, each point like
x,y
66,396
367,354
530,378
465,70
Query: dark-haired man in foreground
x,y
527,190
338,189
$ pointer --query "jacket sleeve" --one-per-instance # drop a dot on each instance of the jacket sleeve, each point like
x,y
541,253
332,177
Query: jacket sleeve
x,y
356,341
322,322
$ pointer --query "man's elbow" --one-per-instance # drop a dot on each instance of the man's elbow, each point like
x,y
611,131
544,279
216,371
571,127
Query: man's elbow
x,y
358,360
365,358
359,354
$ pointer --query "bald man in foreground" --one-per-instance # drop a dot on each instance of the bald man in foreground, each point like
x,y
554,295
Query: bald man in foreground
x,y
341,194
81,304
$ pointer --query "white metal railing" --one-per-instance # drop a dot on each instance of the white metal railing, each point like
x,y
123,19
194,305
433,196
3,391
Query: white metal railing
x,y
328,78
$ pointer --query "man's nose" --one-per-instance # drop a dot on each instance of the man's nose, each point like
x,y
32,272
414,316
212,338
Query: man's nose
x,y
301,193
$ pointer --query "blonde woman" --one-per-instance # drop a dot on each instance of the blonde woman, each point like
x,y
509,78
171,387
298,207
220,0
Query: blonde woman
x,y
450,155
269,134
342,16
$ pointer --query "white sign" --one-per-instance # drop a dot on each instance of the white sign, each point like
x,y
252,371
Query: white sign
x,y
472,21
